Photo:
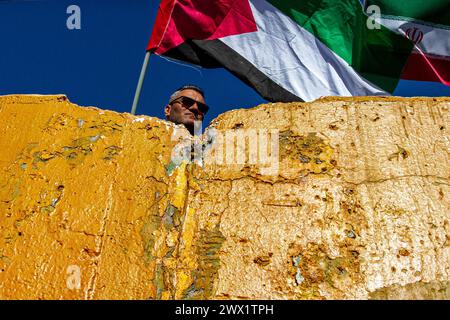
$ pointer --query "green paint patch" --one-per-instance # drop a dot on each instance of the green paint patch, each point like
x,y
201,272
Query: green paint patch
x,y
209,244
47,209
296,260
79,149
311,267
159,281
74,153
310,152
10,238
4,262
111,152
152,224
168,216
42,157
170,168
192,293
55,195
107,126
16,191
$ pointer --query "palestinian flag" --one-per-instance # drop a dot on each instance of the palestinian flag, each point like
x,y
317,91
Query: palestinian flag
x,y
427,24
287,50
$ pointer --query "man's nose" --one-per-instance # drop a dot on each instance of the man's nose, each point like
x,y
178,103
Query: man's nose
x,y
195,108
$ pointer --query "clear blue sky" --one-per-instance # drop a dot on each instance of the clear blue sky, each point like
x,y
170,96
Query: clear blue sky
x,y
99,65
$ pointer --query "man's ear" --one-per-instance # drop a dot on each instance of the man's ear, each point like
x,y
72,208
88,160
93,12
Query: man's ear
x,y
167,111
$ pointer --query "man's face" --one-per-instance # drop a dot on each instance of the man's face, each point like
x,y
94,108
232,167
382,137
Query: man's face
x,y
179,113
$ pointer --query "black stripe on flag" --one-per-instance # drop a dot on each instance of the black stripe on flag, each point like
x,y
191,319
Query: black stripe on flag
x,y
216,54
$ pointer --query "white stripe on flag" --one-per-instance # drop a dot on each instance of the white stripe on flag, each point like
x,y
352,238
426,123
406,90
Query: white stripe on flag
x,y
296,60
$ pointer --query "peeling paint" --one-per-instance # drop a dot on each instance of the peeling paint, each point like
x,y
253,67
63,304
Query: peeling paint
x,y
311,152
139,120
298,277
355,212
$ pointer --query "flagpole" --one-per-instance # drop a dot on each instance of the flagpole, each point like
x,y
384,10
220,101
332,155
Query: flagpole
x,y
140,82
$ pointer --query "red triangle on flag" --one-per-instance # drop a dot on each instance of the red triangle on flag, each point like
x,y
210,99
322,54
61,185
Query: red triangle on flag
x,y
180,20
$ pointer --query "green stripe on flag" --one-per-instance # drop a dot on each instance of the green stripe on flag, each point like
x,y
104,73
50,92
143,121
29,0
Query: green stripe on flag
x,y
377,54
434,11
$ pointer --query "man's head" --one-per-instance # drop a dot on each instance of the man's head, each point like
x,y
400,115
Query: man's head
x,y
186,105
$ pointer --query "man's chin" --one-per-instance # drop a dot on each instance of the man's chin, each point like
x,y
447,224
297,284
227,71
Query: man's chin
x,y
189,124
189,121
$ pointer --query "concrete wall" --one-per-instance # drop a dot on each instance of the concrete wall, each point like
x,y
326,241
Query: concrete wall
x,y
97,205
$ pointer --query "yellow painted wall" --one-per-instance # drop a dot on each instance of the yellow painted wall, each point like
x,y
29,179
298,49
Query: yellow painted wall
x,y
359,206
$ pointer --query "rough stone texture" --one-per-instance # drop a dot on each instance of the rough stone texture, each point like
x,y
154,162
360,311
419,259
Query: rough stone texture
x,y
359,208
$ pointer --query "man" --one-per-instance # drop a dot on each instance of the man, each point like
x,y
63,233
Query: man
x,y
186,105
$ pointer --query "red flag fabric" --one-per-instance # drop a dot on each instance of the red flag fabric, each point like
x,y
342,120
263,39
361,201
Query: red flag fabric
x,y
422,67
199,20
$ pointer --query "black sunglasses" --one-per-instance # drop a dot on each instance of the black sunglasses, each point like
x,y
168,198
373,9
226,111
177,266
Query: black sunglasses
x,y
189,102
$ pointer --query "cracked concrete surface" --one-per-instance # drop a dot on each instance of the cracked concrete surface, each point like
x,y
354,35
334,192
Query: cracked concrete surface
x,y
359,209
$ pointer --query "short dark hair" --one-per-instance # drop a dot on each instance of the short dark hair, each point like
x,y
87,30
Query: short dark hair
x,y
186,87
